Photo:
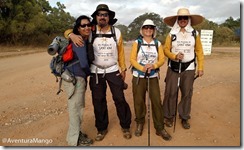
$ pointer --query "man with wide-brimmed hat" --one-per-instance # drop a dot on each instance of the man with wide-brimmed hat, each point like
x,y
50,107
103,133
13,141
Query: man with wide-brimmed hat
x,y
183,48
109,57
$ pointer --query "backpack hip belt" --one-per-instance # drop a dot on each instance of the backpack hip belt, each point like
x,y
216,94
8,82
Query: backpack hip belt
x,y
102,67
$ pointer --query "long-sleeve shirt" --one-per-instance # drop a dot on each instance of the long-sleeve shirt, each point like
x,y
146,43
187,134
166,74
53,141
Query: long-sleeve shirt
x,y
82,67
146,55
171,49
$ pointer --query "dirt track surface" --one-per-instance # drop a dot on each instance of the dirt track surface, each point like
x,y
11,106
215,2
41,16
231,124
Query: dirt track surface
x,y
31,109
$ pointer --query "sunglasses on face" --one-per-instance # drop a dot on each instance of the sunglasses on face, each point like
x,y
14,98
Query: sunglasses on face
x,y
148,27
85,25
104,15
183,18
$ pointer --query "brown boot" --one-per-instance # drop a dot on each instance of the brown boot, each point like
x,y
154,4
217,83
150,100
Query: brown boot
x,y
126,133
164,134
100,135
185,124
168,122
139,128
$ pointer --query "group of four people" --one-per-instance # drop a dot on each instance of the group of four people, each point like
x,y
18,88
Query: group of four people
x,y
147,56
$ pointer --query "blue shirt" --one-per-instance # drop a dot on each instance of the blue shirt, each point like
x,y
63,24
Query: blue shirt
x,y
82,68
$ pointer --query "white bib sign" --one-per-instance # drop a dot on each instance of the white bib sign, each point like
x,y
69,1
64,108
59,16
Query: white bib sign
x,y
206,39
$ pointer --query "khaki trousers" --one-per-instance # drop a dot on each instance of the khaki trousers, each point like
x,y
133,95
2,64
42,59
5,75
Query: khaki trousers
x,y
139,96
76,105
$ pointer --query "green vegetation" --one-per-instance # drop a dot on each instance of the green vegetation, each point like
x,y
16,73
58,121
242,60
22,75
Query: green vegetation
x,y
36,23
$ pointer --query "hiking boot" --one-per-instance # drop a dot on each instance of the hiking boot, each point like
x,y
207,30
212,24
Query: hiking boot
x,y
185,124
164,134
100,135
168,122
139,129
83,140
82,135
126,133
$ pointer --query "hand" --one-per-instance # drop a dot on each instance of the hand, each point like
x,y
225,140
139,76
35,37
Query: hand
x,y
148,68
200,73
123,75
179,56
77,39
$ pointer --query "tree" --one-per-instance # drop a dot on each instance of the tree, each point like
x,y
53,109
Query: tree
x,y
32,21
231,23
59,20
124,31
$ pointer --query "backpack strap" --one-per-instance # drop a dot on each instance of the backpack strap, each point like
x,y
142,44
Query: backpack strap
x,y
140,43
194,33
95,35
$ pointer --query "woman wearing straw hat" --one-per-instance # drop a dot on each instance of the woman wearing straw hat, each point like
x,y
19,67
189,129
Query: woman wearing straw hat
x,y
183,48
147,57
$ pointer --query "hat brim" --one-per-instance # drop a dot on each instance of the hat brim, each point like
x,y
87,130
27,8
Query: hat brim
x,y
111,13
154,33
195,19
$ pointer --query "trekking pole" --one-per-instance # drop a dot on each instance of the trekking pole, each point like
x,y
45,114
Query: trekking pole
x,y
178,87
196,77
148,100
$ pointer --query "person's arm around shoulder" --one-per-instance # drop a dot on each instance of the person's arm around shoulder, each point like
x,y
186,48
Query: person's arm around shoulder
x,y
199,55
76,39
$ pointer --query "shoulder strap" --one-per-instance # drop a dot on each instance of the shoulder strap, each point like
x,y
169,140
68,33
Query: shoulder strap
x,y
114,36
173,37
113,33
194,34
139,42
95,35
156,44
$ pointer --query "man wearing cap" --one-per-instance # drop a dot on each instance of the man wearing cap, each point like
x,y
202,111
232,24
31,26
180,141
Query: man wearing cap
x,y
109,58
182,46
146,60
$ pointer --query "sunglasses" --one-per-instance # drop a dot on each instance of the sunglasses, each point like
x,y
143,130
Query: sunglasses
x,y
148,27
183,18
85,25
104,15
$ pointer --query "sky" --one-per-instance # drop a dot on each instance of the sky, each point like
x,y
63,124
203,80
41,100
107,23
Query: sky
x,y
127,10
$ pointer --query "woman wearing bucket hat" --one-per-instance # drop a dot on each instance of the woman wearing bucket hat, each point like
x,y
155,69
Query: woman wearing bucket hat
x,y
108,68
183,48
147,56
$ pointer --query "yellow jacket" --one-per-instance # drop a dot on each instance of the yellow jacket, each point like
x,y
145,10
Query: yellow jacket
x,y
198,51
133,57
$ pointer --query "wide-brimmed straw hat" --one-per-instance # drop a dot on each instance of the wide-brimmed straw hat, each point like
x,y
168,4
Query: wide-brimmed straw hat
x,y
195,19
104,7
149,22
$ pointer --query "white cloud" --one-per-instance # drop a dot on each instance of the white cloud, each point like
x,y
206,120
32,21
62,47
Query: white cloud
x,y
127,10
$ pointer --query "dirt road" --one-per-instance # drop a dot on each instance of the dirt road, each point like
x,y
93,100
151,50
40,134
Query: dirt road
x,y
30,108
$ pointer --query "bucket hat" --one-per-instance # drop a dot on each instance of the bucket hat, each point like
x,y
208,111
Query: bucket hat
x,y
195,19
104,7
149,22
